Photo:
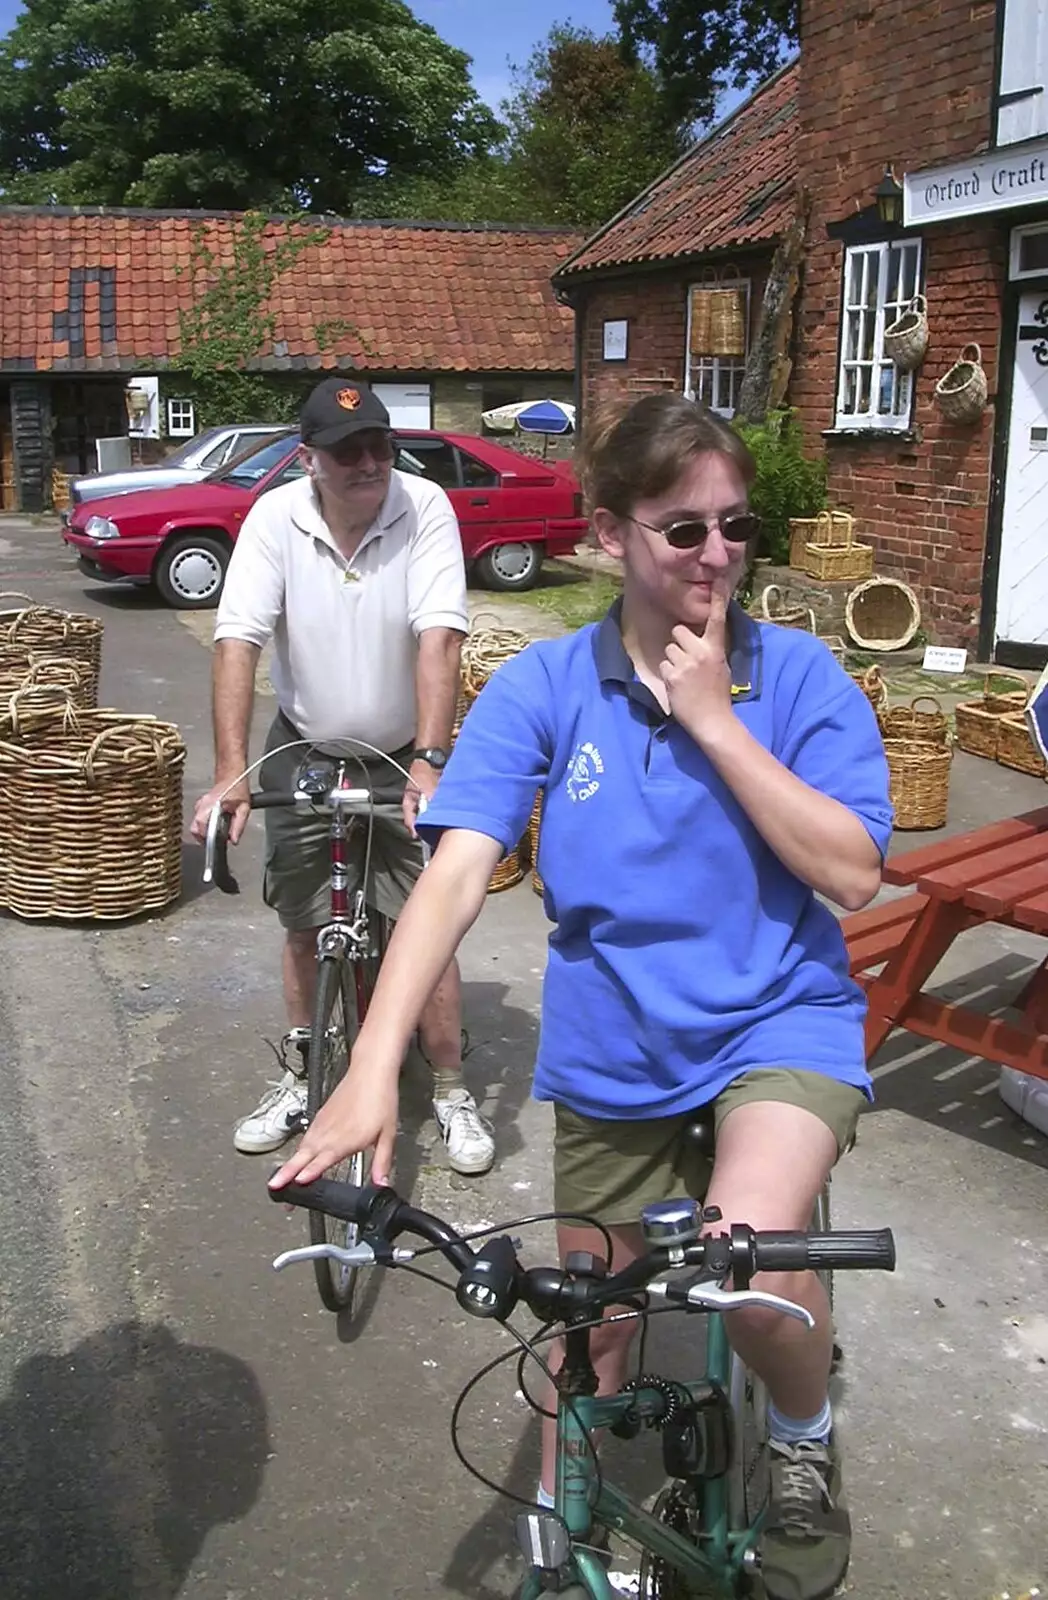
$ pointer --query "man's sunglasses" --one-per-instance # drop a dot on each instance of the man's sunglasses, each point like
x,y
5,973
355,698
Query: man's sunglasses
x,y
348,452
693,533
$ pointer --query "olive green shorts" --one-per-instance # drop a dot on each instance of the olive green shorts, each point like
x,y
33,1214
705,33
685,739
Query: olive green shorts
x,y
610,1169
297,881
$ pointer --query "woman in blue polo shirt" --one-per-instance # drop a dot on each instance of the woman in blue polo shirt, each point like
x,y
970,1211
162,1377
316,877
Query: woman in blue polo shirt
x,y
705,778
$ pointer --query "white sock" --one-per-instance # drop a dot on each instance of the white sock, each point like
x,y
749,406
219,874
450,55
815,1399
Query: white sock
x,y
544,1499
791,1430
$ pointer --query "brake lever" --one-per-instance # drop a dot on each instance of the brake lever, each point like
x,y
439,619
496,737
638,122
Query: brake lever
x,y
358,1255
712,1297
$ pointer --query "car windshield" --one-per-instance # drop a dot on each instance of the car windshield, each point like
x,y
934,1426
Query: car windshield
x,y
179,457
252,464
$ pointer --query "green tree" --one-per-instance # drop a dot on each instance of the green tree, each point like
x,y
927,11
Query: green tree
x,y
585,129
699,50
281,104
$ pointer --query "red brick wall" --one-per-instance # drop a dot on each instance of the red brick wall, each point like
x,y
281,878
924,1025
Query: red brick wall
x,y
906,81
655,304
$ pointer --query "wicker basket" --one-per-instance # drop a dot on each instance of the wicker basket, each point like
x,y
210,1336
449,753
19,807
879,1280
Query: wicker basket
x,y
1015,746
919,782
923,720
508,873
24,669
50,632
906,340
533,843
838,563
777,611
483,652
91,807
882,614
977,721
873,686
835,645
961,392
831,528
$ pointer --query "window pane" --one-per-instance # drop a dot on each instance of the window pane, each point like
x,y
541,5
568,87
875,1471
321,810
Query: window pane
x,y
433,459
864,388
854,289
851,390
475,475
724,376
872,279
704,385
851,335
886,391
1033,251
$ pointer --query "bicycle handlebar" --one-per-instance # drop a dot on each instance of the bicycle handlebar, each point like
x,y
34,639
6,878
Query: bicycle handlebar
x,y
492,1279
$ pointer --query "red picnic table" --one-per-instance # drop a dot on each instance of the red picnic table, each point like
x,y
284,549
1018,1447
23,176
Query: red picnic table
x,y
997,873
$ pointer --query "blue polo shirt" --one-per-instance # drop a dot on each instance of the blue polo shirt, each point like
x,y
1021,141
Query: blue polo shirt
x,y
684,952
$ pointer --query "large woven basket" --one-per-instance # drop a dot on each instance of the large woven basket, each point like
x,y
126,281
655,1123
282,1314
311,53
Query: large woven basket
x,y
48,631
838,563
833,529
919,782
1015,746
923,720
882,614
90,811
25,669
873,686
484,651
977,722
961,392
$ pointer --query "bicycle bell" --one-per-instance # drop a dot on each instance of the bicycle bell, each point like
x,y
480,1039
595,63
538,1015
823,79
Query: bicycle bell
x,y
671,1222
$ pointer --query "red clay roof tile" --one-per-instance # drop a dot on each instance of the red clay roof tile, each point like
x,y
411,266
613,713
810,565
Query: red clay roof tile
x,y
416,297
733,188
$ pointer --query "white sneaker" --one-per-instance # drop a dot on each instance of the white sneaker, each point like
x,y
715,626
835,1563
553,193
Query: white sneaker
x,y
466,1135
276,1119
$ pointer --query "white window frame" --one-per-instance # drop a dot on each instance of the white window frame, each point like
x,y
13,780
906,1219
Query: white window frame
x,y
1016,273
697,367
181,419
855,315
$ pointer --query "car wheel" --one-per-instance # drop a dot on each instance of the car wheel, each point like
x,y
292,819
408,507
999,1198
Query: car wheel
x,y
510,566
190,571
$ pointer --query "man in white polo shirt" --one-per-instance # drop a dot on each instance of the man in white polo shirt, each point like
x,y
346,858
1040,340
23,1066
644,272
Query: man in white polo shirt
x,y
355,572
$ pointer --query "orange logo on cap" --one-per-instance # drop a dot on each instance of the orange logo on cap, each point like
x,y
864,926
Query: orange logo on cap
x,y
348,399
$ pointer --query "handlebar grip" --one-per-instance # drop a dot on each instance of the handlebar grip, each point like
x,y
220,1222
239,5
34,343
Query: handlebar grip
x,y
824,1252
343,1200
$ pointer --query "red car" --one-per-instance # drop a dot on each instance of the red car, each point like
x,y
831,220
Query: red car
x,y
513,512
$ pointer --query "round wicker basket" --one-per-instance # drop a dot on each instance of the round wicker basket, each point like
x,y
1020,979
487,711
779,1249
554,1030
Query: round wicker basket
x,y
919,783
882,614
961,392
906,340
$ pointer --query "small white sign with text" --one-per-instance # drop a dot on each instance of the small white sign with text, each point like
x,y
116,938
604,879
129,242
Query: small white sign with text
x,y
937,658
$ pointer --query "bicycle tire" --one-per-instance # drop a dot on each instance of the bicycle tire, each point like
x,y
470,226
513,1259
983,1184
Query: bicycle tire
x,y
344,989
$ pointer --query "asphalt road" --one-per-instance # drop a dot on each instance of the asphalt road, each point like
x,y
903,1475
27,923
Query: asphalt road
x,y
176,1419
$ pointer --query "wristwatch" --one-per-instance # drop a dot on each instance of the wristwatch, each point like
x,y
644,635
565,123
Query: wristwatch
x,y
434,755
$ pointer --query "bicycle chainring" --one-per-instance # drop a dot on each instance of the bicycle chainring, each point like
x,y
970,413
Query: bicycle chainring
x,y
676,1508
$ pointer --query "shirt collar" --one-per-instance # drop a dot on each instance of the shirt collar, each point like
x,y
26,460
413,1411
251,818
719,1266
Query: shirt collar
x,y
306,513
745,655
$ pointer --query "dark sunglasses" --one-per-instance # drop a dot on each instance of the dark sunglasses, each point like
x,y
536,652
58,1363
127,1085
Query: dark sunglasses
x,y
347,452
693,533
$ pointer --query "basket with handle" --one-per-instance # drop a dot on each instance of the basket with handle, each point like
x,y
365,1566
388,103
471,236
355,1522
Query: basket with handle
x,y
873,686
25,669
977,722
47,630
906,339
832,529
91,807
919,782
785,616
961,392
1015,746
844,560
923,720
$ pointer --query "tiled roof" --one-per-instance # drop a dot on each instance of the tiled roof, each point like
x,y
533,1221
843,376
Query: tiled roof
x,y
85,289
733,188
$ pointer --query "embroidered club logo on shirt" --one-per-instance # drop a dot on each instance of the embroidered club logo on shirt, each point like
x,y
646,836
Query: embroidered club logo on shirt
x,y
348,399
584,772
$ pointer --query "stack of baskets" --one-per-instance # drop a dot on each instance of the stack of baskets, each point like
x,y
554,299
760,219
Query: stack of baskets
x,y
917,745
989,721
484,651
90,801
825,548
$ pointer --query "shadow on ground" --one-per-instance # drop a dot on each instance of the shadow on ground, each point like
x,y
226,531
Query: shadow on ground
x,y
118,1457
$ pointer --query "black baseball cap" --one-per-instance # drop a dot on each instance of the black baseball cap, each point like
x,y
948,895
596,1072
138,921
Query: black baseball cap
x,y
339,407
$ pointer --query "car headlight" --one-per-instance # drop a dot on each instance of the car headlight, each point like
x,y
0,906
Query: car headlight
x,y
101,528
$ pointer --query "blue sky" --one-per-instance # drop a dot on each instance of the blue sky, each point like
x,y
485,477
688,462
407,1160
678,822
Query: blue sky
x,y
496,36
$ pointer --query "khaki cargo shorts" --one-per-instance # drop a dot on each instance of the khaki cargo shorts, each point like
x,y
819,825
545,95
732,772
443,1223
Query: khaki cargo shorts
x,y
611,1169
297,879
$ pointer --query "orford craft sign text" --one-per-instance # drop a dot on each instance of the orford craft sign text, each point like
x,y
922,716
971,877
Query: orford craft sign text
x,y
996,180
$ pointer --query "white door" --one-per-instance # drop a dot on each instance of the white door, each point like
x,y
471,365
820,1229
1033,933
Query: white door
x,y
408,404
1022,585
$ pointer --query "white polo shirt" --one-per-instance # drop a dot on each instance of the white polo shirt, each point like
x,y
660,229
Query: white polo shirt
x,y
345,633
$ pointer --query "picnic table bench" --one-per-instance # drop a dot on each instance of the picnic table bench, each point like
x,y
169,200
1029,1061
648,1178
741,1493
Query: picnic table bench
x,y
995,874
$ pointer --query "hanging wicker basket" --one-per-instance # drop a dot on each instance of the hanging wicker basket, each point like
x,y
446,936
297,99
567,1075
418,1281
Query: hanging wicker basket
x,y
977,722
882,614
906,340
90,810
51,632
774,609
873,686
1015,746
919,783
961,392
923,720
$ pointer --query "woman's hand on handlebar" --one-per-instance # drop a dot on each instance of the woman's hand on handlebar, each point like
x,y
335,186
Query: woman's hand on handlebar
x,y
360,1114
237,802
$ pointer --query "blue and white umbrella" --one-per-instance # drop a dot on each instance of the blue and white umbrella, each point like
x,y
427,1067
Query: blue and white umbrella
x,y
532,416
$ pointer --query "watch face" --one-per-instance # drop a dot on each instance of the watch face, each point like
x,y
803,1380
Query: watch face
x,y
435,758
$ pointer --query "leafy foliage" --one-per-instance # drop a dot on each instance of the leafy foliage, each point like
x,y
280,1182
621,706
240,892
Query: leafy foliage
x,y
283,104
698,50
788,483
